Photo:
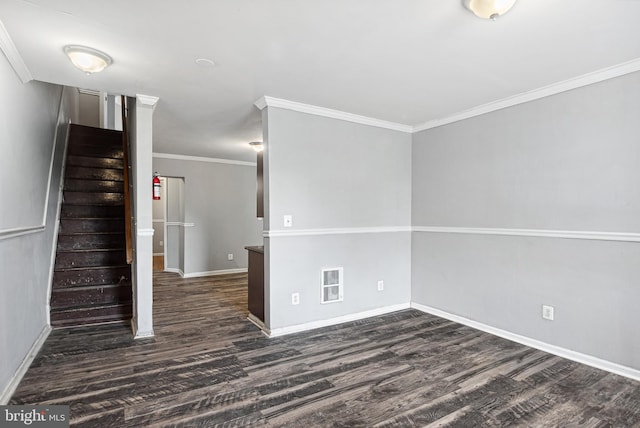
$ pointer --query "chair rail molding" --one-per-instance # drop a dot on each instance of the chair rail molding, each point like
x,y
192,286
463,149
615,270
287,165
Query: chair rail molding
x,y
542,233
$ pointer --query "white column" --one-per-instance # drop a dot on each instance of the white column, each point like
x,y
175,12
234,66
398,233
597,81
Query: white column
x,y
142,156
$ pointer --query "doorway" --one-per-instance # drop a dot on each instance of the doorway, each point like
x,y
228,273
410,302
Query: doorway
x,y
173,232
159,226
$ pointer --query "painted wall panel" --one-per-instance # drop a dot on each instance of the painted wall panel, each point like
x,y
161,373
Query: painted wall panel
x,y
32,141
220,201
565,162
329,174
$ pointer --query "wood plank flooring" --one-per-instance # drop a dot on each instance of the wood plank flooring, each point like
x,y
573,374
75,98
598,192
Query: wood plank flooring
x,y
208,366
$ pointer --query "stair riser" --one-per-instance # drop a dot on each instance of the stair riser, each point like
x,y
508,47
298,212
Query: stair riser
x,y
82,131
84,225
108,295
91,211
78,185
91,242
90,162
91,280
88,198
83,173
83,277
90,316
95,258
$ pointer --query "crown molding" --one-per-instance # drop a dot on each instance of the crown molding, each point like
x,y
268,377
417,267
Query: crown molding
x,y
535,94
89,92
13,56
267,101
147,100
201,159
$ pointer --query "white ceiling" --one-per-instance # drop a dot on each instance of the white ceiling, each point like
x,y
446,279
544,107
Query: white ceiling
x,y
408,61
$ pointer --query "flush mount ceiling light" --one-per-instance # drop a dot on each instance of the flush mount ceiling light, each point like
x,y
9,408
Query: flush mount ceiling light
x,y
87,59
489,9
257,146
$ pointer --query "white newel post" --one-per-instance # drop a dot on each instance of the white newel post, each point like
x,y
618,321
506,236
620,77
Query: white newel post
x,y
143,260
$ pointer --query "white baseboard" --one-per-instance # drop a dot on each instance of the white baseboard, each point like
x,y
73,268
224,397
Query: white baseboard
x,y
257,322
8,390
140,334
543,346
173,270
213,273
281,331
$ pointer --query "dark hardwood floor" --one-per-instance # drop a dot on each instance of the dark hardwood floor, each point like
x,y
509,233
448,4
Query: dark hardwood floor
x,y
208,366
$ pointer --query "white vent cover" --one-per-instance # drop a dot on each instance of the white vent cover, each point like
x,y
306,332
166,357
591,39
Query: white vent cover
x,y
331,285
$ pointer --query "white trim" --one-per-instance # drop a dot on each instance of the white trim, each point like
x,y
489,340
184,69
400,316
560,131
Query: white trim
x,y
542,233
144,232
158,254
147,100
281,331
545,91
56,224
201,159
256,321
140,334
543,346
13,56
174,270
214,273
89,92
157,221
334,231
10,388
267,101
179,224
19,231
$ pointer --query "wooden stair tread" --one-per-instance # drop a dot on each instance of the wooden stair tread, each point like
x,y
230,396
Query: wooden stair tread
x,y
91,280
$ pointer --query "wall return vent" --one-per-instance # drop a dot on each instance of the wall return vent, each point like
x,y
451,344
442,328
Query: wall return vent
x,y
332,284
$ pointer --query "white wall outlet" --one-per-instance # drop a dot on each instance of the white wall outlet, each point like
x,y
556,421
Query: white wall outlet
x,y
547,312
229,256
288,220
161,243
295,298
380,285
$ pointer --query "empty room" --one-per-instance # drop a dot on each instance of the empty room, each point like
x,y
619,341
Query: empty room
x,y
322,214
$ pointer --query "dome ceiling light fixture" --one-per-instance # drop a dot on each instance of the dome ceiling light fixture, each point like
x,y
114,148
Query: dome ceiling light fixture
x,y
87,59
489,9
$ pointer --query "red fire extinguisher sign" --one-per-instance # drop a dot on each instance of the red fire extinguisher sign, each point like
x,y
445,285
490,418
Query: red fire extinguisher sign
x,y
156,187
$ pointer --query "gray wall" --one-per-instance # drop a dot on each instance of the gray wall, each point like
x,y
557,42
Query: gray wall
x,y
220,200
333,174
31,124
89,110
175,229
566,162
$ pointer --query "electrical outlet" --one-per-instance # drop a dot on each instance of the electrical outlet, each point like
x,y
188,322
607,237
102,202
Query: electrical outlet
x,y
547,312
380,285
295,298
161,243
229,256
288,220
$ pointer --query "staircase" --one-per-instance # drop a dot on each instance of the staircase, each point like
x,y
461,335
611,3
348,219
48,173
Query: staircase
x,y
91,279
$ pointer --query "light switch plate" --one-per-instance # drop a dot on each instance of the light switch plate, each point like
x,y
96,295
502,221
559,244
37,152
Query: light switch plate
x,y
288,220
